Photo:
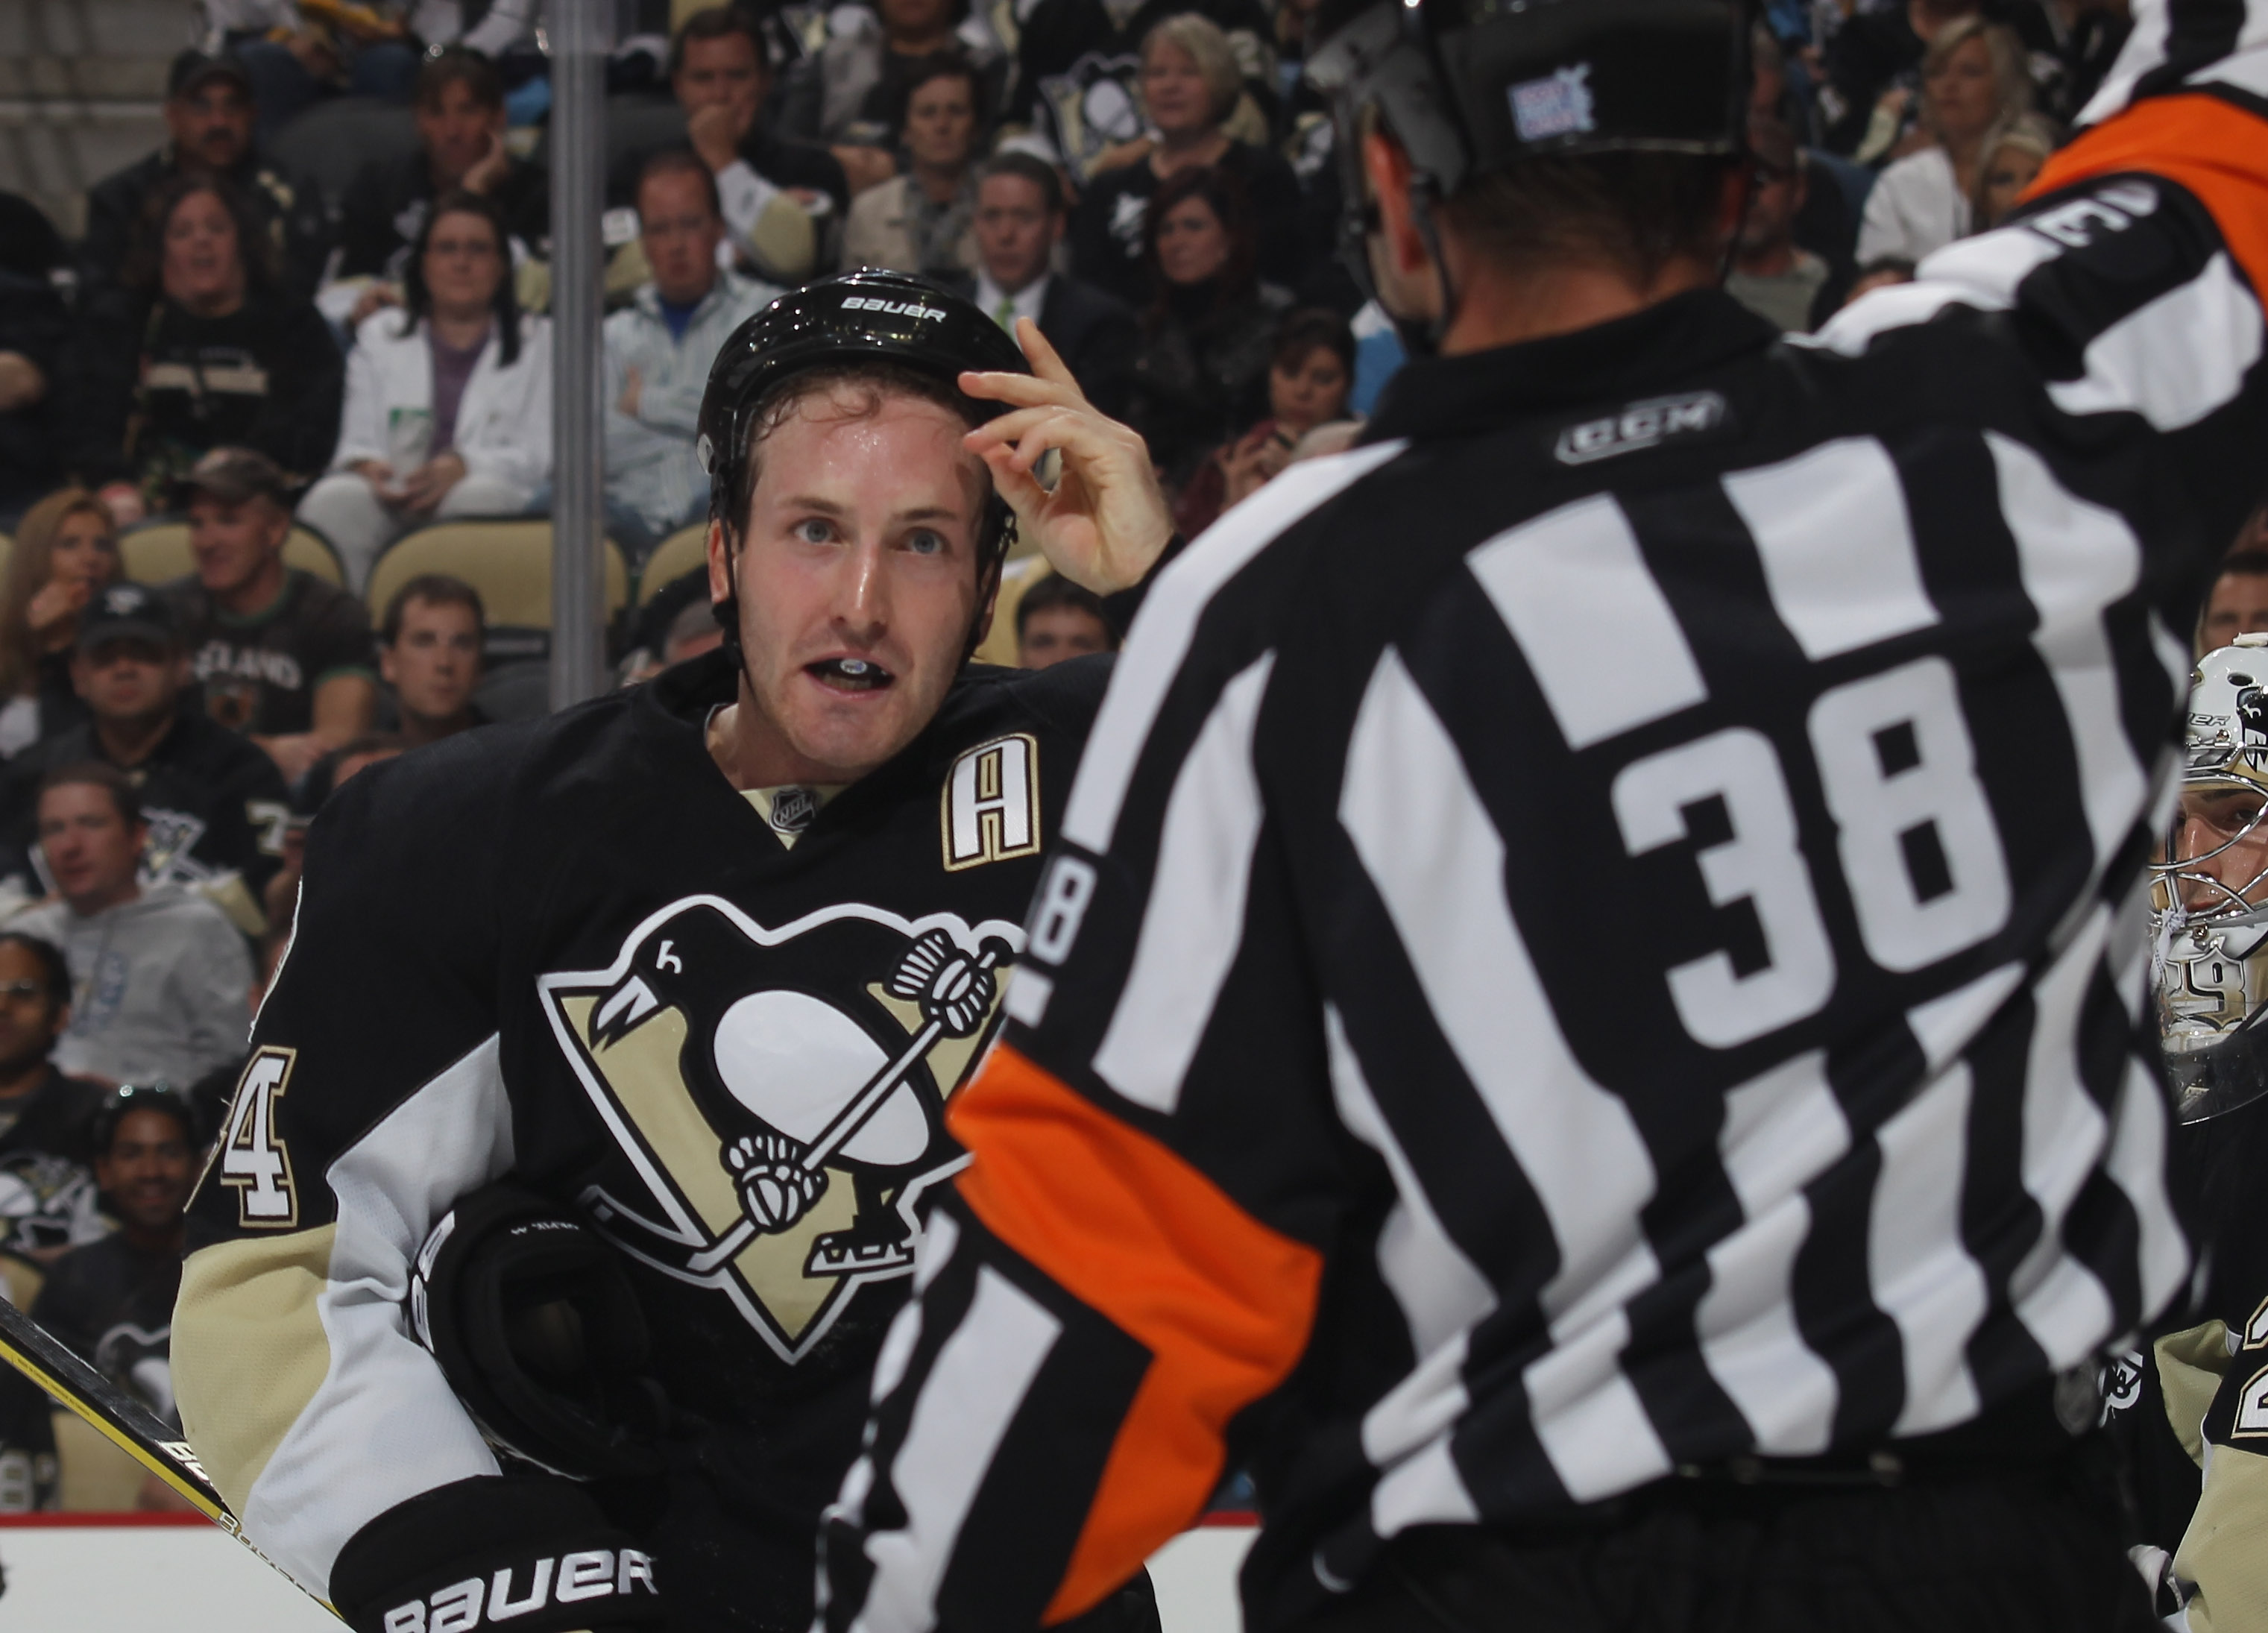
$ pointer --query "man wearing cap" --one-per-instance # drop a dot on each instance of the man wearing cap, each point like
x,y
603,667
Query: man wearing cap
x,y
699,964
208,119
279,655
215,804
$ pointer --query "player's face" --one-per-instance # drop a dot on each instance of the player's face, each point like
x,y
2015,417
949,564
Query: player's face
x,y
234,543
435,661
2239,606
1055,633
147,1170
857,579
128,679
31,1016
2222,828
90,850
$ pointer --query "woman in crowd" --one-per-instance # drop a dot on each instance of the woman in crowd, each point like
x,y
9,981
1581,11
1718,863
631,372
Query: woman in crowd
x,y
1202,371
448,409
198,348
852,93
1189,87
1972,79
1309,378
924,221
66,551
2015,151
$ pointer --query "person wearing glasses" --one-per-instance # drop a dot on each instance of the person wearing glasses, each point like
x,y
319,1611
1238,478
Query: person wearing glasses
x,y
448,400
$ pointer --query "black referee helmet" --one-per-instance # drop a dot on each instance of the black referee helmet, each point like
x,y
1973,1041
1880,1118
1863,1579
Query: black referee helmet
x,y
1469,86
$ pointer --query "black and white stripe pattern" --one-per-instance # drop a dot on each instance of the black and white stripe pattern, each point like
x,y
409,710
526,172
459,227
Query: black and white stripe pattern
x,y
1701,880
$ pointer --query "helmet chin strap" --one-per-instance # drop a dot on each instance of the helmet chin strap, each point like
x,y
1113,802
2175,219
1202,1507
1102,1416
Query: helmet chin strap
x,y
1422,337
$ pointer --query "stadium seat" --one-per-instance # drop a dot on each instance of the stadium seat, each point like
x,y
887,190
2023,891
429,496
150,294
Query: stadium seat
x,y
329,144
508,562
7,550
157,552
672,558
999,643
96,1476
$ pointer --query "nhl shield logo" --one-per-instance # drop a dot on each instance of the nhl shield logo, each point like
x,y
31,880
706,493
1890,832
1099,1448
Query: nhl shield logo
x,y
780,1093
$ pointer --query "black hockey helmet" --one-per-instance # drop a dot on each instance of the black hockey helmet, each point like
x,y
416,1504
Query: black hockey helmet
x,y
853,317
1469,86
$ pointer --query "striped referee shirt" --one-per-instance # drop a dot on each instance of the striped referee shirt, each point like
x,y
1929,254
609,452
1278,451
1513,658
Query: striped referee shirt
x,y
1600,932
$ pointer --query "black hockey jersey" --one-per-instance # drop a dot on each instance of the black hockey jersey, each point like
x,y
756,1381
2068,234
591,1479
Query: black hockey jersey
x,y
573,950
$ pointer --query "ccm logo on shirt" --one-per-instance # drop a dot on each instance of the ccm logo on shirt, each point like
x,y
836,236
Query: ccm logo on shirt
x,y
594,1573
895,308
1641,425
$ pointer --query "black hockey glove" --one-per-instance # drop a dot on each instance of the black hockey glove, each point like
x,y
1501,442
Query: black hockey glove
x,y
536,1328
530,1553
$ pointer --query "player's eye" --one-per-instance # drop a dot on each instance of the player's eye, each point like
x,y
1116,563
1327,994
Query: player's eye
x,y
814,530
923,542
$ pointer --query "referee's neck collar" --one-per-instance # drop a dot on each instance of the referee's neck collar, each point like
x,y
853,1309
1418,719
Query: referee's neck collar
x,y
1665,343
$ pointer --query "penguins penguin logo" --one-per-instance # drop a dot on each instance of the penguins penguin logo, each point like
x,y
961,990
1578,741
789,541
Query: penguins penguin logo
x,y
781,1093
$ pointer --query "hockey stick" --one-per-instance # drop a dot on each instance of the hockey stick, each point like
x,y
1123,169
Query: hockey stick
x,y
132,1427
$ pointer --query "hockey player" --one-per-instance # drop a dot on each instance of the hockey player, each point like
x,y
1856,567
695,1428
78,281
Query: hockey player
x,y
1595,1039
2193,1410
697,965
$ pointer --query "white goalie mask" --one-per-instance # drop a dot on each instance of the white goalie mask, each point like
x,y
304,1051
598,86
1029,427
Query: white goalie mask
x,y
2209,919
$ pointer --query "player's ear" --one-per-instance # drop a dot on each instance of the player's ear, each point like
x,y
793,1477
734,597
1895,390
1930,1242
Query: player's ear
x,y
720,563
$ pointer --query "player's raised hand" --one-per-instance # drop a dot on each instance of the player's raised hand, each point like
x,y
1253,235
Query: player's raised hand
x,y
1105,523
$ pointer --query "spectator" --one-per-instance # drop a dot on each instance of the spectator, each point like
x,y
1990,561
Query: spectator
x,y
353,50
1189,87
659,350
1309,375
328,776
448,401
2013,151
1881,273
112,1301
65,551
1055,620
924,221
2239,602
277,653
1873,63
33,331
430,656
853,93
161,983
773,189
1972,78
199,347
2070,45
1208,335
1019,221
208,131
214,804
461,125
47,1203
1768,273
1057,33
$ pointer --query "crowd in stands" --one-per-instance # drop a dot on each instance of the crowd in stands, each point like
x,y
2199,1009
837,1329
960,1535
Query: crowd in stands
x,y
235,344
